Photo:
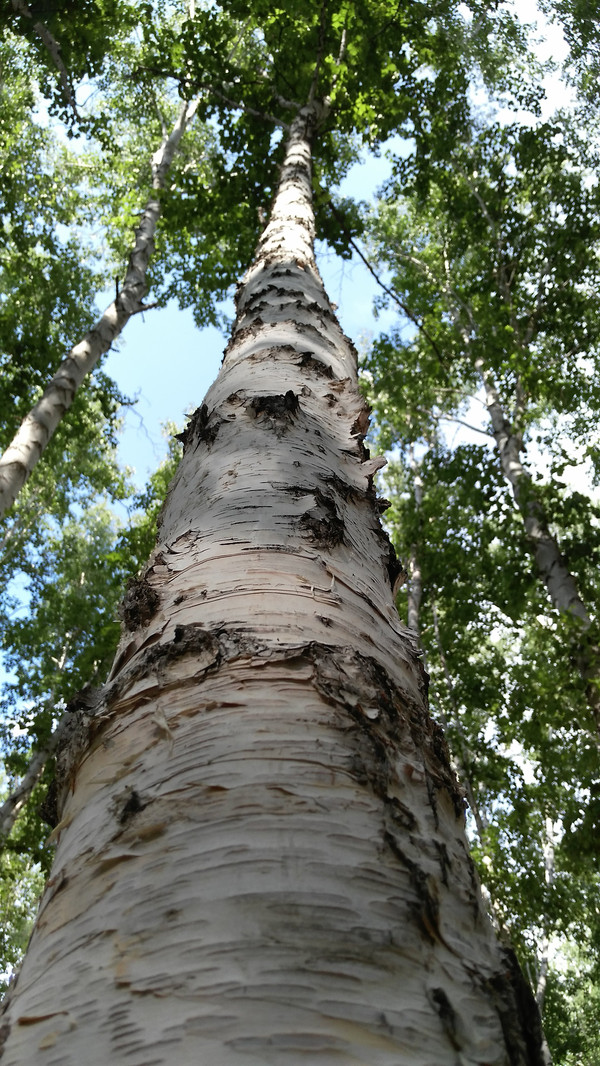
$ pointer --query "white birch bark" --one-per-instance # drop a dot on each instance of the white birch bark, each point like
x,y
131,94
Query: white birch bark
x,y
53,47
555,573
39,425
261,855
544,943
551,565
415,577
14,803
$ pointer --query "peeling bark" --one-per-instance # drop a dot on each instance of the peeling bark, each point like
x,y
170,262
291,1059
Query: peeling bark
x,y
261,855
38,427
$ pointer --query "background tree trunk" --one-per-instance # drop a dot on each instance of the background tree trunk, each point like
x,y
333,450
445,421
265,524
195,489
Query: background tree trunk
x,y
39,426
261,853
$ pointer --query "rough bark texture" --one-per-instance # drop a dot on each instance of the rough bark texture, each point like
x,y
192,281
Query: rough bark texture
x,y
261,853
39,425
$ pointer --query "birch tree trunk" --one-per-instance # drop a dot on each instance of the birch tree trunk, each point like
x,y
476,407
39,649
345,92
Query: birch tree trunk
x,y
551,564
559,581
39,426
261,855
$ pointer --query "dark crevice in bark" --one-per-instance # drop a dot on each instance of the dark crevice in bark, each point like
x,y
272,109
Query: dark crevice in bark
x,y
394,568
426,908
445,863
48,808
139,604
241,334
4,1031
307,327
85,707
198,428
343,488
253,318
309,362
133,805
360,426
323,523
381,723
519,1014
277,412
447,1016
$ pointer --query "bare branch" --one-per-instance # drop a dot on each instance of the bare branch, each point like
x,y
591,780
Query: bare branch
x,y
160,115
439,417
338,62
390,292
237,106
342,50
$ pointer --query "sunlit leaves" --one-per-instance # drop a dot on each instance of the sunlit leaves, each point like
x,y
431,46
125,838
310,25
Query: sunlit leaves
x,y
500,261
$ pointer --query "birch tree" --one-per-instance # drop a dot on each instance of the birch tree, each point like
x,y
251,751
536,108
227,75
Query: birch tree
x,y
500,683
39,425
260,841
499,269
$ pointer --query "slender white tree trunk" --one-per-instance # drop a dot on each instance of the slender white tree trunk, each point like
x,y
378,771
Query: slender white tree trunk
x,y
53,47
415,577
13,804
551,564
560,582
261,854
38,427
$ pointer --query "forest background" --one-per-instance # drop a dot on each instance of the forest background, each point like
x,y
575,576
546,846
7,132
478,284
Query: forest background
x,y
482,372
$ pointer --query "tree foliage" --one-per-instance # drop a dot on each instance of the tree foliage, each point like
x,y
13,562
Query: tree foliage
x,y
489,233
496,270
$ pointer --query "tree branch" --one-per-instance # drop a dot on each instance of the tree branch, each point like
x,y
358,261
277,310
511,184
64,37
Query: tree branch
x,y
236,105
320,51
40,424
390,292
463,754
439,417
9,810
53,47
